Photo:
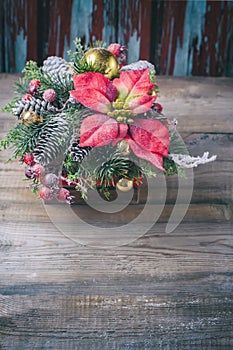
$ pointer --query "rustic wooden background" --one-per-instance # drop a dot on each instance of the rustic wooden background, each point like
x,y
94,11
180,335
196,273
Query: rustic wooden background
x,y
162,291
182,38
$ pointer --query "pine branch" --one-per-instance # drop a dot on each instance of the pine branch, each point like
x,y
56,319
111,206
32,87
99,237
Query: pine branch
x,y
31,71
23,138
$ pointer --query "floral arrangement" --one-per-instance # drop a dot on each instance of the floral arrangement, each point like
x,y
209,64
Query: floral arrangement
x,y
92,122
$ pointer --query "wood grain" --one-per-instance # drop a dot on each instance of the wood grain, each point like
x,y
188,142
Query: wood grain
x,y
160,291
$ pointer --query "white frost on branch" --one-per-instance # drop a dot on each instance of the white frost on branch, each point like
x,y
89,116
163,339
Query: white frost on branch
x,y
139,65
187,161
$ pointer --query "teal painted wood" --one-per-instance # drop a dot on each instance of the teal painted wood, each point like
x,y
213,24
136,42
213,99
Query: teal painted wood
x,y
182,38
197,38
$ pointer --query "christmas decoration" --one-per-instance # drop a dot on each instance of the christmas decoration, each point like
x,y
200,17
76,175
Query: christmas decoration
x,y
102,60
31,104
28,159
124,185
29,118
52,141
93,122
49,95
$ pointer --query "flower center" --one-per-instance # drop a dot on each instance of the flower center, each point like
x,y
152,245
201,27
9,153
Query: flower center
x,y
121,112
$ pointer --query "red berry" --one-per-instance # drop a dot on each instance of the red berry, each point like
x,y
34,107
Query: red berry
x,y
120,52
33,90
27,97
158,107
138,180
38,170
46,193
34,82
62,195
29,173
115,49
49,95
28,159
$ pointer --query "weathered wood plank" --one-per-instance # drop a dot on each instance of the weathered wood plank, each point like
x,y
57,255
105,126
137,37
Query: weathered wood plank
x,y
42,255
129,295
159,291
113,323
23,206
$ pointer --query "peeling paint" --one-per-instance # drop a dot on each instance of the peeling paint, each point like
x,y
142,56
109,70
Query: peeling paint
x,y
109,21
81,20
20,50
181,37
133,48
193,28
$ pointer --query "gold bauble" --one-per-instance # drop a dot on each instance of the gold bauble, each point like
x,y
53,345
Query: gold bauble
x,y
124,185
103,61
30,117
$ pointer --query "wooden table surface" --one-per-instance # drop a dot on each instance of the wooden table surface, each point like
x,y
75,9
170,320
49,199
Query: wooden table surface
x,y
160,291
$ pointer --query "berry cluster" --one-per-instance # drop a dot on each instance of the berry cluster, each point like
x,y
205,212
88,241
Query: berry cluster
x,y
48,184
49,95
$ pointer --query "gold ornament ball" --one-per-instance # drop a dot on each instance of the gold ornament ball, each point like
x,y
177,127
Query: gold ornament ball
x,y
30,117
124,185
103,61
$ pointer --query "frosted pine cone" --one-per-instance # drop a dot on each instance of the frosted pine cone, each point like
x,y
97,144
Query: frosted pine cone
x,y
55,65
78,153
52,142
34,104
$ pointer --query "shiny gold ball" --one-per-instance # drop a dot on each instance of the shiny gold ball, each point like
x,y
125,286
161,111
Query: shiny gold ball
x,y
103,61
30,117
124,185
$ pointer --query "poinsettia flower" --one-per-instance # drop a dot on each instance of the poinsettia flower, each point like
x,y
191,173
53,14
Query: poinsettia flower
x,y
119,102
149,141
94,90
133,84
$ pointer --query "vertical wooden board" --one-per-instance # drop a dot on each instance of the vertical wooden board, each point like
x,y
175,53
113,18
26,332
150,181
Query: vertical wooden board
x,y
59,26
196,38
215,40
32,28
174,17
97,20
157,10
134,28
20,33
80,21
229,60
2,34
146,7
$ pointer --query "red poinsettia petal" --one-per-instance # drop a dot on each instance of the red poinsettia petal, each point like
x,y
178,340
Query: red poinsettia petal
x,y
151,135
94,90
154,158
92,99
133,84
122,132
142,104
98,130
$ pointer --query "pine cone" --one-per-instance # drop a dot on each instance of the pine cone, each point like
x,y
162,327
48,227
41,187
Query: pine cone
x,y
52,142
35,105
78,153
54,66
